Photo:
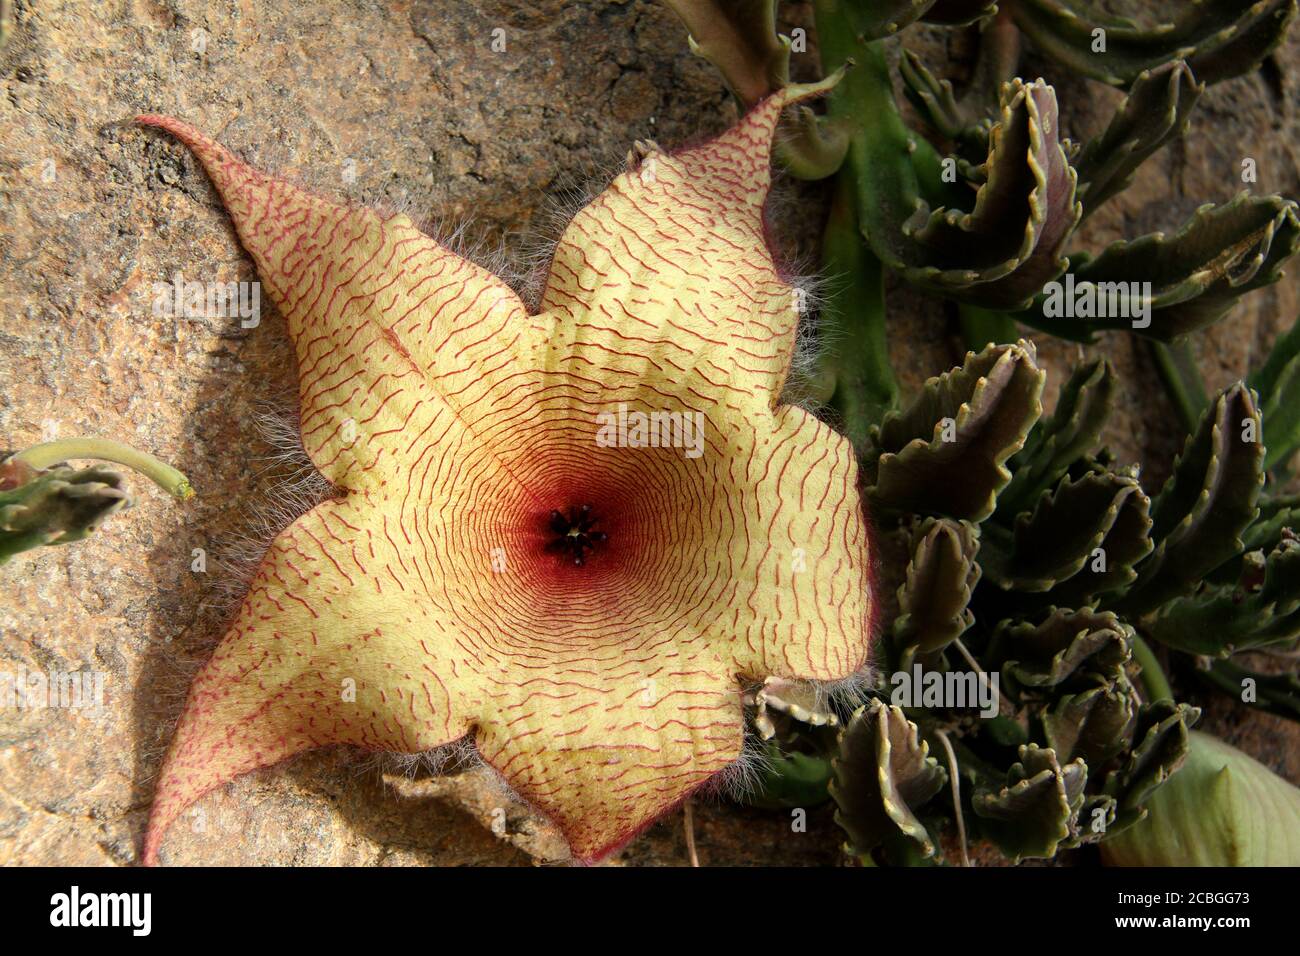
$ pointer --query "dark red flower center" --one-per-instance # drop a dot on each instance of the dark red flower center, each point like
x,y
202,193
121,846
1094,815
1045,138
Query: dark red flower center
x,y
575,534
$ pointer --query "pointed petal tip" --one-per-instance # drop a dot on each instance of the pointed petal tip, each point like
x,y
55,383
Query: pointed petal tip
x,y
162,814
227,173
183,131
154,831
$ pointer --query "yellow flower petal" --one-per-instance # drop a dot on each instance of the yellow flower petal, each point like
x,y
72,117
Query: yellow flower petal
x,y
605,744
667,276
394,335
333,644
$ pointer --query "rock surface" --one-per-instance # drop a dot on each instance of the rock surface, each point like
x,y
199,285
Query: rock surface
x,y
403,104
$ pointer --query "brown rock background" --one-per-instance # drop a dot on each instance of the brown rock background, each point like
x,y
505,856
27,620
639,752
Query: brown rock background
x,y
402,104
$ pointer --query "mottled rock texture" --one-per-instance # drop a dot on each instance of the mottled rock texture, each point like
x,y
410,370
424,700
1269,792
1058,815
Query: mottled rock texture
x,y
402,104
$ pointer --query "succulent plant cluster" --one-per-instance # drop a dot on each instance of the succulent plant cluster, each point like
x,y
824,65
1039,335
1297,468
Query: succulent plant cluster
x,y
1049,566
1024,551
1054,566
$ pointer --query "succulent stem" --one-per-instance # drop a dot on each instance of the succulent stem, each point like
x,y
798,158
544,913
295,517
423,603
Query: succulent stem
x,y
1182,380
855,362
160,473
981,327
885,179
860,381
1153,677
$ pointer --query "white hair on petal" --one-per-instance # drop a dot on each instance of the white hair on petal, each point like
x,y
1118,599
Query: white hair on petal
x,y
452,757
458,755
805,358
466,237
565,199
847,694
813,340
294,487
741,779
466,240
811,290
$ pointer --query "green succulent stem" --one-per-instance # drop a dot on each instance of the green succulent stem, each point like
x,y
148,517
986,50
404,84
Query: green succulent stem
x,y
855,364
1182,380
866,95
856,367
1153,677
102,449
981,327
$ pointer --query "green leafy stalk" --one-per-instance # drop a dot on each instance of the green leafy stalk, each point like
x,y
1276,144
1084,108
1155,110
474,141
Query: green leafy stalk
x,y
879,167
1182,380
855,363
966,422
981,327
159,472
1153,677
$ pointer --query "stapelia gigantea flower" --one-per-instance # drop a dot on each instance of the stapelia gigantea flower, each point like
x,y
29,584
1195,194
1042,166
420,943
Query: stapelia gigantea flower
x,y
596,655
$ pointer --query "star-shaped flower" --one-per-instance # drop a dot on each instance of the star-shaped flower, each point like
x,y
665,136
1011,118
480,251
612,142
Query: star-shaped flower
x,y
587,609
